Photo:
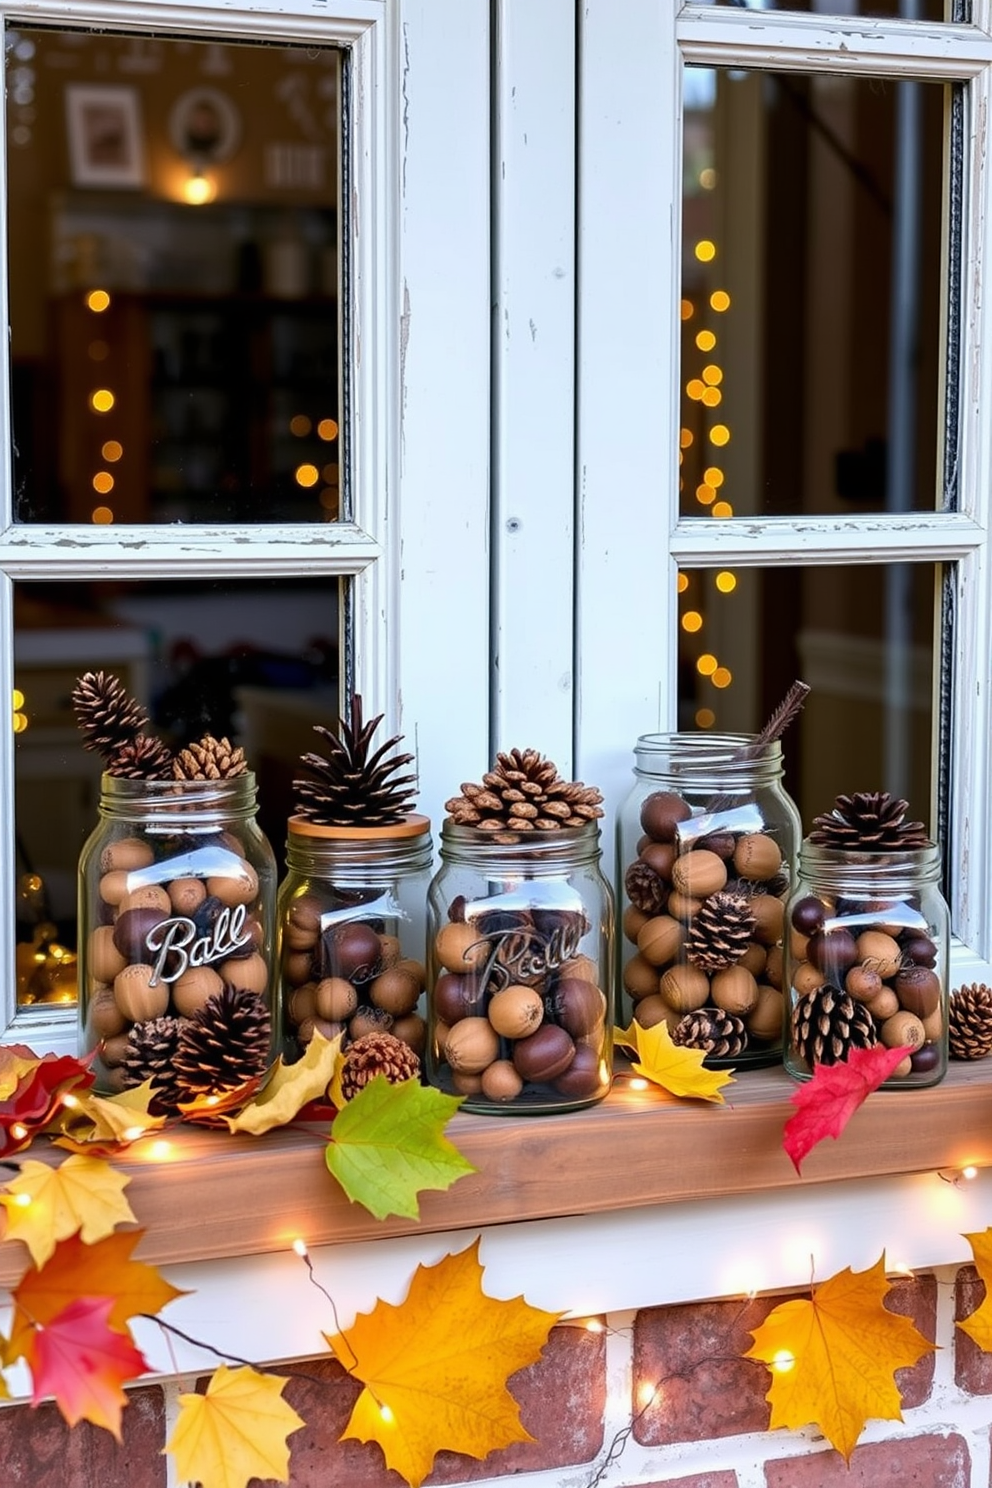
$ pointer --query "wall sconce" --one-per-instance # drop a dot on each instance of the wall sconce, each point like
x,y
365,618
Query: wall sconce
x,y
198,187
205,130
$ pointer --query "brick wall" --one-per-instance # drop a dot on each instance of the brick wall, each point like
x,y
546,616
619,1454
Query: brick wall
x,y
659,1399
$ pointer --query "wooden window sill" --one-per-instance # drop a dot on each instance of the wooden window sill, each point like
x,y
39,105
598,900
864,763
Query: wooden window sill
x,y
217,1195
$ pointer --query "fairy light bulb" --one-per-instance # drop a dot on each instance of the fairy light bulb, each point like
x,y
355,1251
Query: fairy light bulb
x,y
300,1247
784,1361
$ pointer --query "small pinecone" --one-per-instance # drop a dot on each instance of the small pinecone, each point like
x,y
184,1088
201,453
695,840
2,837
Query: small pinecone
x,y
646,889
377,1054
106,714
224,1044
523,792
209,759
141,758
354,788
869,821
970,1022
718,1033
720,932
828,1024
151,1049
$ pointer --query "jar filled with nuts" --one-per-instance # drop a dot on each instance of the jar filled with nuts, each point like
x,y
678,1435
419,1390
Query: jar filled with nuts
x,y
706,843
867,943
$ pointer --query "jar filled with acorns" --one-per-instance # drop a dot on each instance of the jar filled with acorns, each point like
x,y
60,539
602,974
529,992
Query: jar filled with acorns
x,y
521,944
176,911
867,942
352,907
706,845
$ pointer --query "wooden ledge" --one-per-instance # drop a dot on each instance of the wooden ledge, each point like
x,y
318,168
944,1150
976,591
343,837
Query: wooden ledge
x,y
214,1195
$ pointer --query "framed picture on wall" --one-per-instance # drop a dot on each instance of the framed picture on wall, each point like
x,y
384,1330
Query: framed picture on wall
x,y
106,147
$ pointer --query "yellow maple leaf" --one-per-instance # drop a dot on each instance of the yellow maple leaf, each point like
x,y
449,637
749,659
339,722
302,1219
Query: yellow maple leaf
x,y
289,1088
15,1062
435,1367
235,1432
979,1325
45,1205
680,1071
119,1118
833,1357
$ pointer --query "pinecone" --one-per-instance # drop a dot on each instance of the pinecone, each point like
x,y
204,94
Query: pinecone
x,y
141,758
718,1033
869,821
646,889
353,788
224,1043
720,931
523,792
151,1048
106,714
377,1054
209,759
970,1022
827,1024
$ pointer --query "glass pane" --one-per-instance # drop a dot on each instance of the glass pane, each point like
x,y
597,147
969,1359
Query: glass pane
x,y
174,288
861,637
812,353
907,10
255,661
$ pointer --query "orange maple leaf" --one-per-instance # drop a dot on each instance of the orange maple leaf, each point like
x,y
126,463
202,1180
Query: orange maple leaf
x,y
826,1103
833,1357
83,1362
678,1070
979,1325
435,1367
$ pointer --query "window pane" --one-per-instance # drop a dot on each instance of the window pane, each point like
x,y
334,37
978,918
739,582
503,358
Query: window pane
x,y
255,661
813,212
908,10
173,256
861,637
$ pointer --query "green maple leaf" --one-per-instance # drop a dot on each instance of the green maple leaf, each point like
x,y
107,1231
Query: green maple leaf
x,y
388,1143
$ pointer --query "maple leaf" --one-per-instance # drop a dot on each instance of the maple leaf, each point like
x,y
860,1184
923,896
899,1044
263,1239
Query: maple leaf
x,y
37,1095
235,1432
16,1061
979,1325
833,1357
826,1103
289,1088
680,1071
388,1144
82,1362
211,1110
435,1367
45,1205
112,1121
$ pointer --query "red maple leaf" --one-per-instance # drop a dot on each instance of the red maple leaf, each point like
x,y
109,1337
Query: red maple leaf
x,y
83,1363
37,1097
826,1103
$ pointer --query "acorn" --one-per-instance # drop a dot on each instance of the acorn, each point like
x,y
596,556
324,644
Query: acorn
x,y
585,1075
456,997
131,931
335,999
472,1045
577,1005
517,1011
544,1055
351,951
501,1082
661,813
135,995
460,947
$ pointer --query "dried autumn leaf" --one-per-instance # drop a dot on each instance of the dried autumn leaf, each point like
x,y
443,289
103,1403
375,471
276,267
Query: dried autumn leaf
x,y
979,1325
388,1144
45,1205
37,1095
211,1110
435,1367
826,1103
289,1088
680,1071
83,1363
111,1120
833,1358
235,1432
16,1061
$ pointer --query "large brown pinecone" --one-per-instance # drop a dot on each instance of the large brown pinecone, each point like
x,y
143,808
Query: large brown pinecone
x,y
224,1044
106,713
718,1033
142,758
353,788
209,759
523,792
377,1054
868,821
151,1049
827,1024
720,932
646,889
969,1022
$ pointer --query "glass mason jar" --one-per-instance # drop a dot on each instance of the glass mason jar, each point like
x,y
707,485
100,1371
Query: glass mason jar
x,y
351,913
176,923
867,960
706,845
519,960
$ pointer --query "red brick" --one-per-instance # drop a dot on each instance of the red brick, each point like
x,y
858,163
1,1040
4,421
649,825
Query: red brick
x,y
916,1298
38,1449
972,1367
697,1480
913,1462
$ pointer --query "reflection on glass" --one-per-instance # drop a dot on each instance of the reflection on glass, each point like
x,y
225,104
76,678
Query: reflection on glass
x,y
254,661
811,295
174,288
861,637
907,10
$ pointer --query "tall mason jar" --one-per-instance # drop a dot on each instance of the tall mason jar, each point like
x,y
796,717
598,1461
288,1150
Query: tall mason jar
x,y
867,960
706,846
519,964
176,936
351,911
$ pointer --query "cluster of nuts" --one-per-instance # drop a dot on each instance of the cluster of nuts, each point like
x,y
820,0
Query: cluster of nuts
x,y
174,926
706,905
345,974
518,1014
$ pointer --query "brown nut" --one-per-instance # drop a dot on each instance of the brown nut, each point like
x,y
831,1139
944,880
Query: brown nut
x,y
640,978
335,999
412,1030
578,1006
544,1055
104,959
902,1028
660,940
685,988
661,813
806,978
918,990
247,973
653,1010
863,982
517,1010
459,946
128,854
240,886
194,988
134,994
472,1045
699,873
769,917
765,1019
104,1018
500,1082
757,856
395,989
147,896
633,919
879,952
186,894
734,990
